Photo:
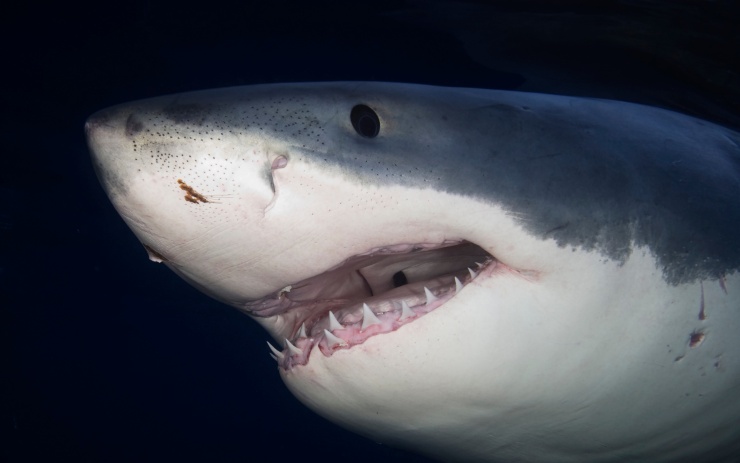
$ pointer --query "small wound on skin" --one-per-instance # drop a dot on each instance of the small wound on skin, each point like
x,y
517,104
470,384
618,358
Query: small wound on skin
x,y
696,338
702,314
190,194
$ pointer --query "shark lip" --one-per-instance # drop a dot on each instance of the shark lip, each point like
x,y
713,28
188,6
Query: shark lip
x,y
369,294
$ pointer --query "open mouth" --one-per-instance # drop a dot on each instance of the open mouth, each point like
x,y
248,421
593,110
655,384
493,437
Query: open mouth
x,y
369,294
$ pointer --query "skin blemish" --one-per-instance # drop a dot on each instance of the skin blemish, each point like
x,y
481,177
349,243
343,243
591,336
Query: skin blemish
x,y
190,194
696,338
718,364
702,315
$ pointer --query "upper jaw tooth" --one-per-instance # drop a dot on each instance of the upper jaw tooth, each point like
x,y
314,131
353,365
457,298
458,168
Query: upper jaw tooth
x,y
458,285
275,353
334,323
293,349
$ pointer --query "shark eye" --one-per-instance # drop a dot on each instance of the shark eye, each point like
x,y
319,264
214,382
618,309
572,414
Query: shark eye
x,y
365,121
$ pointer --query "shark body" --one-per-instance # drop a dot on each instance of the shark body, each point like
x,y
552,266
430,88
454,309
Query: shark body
x,y
476,275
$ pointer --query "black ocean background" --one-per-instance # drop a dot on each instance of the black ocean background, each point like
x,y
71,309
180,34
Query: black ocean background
x,y
107,357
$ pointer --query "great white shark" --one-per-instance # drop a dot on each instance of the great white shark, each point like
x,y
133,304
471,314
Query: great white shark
x,y
476,275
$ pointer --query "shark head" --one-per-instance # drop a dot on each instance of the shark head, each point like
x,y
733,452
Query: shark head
x,y
474,274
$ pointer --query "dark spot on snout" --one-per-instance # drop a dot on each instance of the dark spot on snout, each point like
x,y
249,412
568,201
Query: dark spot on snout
x,y
98,119
133,126
365,121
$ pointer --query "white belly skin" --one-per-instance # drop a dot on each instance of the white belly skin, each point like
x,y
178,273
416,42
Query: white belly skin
x,y
512,370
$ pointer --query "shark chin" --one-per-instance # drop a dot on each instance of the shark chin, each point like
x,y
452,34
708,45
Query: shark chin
x,y
474,275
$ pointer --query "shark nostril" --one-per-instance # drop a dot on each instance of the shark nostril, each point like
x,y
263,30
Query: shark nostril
x,y
133,125
279,162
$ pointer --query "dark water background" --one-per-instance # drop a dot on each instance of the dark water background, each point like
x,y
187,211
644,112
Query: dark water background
x,y
106,357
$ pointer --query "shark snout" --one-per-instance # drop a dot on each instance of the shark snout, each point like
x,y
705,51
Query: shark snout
x,y
103,123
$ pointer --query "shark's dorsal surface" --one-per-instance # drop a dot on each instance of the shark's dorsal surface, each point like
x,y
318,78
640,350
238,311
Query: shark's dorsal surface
x,y
476,275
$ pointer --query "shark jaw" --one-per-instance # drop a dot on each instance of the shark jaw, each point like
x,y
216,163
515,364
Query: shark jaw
x,y
370,294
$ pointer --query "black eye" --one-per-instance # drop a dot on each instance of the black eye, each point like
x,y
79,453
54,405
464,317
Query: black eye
x,y
399,279
365,121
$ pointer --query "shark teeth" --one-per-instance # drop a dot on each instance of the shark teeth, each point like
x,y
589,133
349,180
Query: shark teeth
x,y
366,319
276,354
333,322
430,297
334,341
406,311
293,349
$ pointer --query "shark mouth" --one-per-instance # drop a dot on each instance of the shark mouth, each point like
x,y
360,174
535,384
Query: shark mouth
x,y
369,294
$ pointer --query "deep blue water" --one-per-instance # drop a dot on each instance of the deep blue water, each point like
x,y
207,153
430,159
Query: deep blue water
x,y
106,357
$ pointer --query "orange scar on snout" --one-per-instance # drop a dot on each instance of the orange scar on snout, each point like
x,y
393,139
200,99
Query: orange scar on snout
x,y
190,194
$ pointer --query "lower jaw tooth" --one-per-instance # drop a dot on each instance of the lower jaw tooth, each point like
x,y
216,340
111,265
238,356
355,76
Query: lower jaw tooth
x,y
293,349
368,318
333,340
406,311
430,297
